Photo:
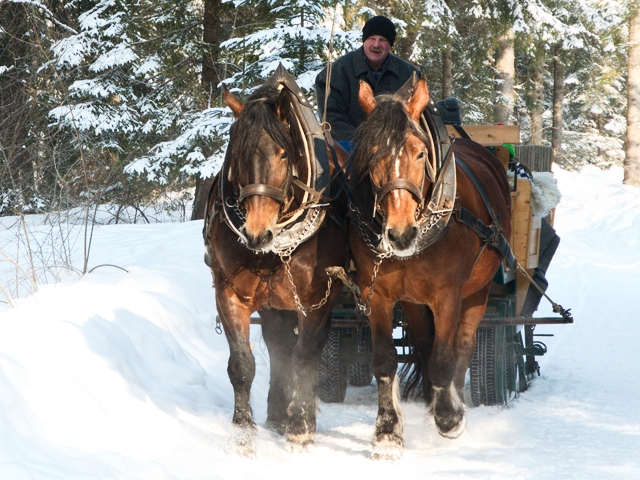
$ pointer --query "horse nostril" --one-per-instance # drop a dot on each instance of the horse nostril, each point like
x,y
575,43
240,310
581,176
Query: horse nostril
x,y
391,235
412,233
267,237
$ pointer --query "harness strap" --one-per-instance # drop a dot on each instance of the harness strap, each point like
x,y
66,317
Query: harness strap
x,y
262,189
463,133
398,184
489,235
482,191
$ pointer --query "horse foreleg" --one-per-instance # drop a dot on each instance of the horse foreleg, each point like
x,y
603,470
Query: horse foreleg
x,y
235,316
279,329
313,332
447,401
387,439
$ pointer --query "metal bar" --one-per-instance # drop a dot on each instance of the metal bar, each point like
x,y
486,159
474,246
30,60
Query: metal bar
x,y
499,321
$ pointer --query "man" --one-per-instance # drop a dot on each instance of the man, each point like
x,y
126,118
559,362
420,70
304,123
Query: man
x,y
373,63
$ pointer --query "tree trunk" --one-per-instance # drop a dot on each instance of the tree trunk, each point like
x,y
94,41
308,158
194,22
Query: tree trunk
x,y
302,43
404,46
212,35
632,140
558,100
446,73
537,107
203,185
505,64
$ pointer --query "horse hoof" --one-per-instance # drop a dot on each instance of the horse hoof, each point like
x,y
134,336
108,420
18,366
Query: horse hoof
x,y
387,447
242,441
246,451
453,428
300,443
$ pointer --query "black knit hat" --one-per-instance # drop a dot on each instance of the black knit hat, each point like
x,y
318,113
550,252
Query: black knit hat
x,y
379,26
450,111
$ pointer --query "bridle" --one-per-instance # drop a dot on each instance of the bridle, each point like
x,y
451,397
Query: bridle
x,y
279,194
398,184
417,191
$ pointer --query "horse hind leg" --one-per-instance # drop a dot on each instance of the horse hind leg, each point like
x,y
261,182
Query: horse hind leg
x,y
448,392
279,332
312,335
448,411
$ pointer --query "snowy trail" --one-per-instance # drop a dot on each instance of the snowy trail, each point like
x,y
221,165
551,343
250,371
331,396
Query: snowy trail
x,y
121,375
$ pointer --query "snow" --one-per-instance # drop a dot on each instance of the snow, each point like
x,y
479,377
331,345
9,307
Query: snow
x,y
121,375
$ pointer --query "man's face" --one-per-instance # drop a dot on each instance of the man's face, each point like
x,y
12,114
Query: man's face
x,y
376,49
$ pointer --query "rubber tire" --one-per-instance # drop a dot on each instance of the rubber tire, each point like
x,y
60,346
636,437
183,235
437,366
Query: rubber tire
x,y
360,374
332,372
488,375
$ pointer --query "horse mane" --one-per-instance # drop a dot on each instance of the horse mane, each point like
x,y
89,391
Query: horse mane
x,y
260,113
382,134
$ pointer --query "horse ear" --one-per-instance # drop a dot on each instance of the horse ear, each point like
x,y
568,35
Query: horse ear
x,y
419,100
366,98
235,105
283,106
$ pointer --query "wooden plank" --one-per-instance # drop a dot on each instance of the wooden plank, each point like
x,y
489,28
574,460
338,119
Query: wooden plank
x,y
537,158
525,238
489,135
503,155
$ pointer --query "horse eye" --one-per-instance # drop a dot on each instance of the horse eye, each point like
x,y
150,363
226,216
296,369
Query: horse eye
x,y
283,156
421,155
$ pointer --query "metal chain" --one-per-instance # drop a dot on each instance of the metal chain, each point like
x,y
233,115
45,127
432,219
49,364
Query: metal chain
x,y
361,224
286,260
366,307
432,220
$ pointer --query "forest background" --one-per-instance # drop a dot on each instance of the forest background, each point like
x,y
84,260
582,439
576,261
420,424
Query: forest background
x,y
116,104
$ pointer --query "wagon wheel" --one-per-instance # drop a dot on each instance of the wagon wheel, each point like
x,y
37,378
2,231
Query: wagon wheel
x,y
332,372
497,367
360,373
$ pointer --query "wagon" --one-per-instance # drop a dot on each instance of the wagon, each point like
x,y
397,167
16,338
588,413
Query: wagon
x,y
504,362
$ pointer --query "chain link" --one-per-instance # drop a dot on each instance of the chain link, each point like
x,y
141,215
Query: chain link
x,y
286,260
366,307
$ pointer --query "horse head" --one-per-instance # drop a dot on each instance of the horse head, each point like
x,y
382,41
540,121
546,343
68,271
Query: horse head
x,y
391,149
262,160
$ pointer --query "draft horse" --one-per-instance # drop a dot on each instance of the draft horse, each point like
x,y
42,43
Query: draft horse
x,y
268,240
414,245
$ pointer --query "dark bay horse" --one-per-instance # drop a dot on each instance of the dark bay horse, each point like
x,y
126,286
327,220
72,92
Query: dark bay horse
x,y
262,260
444,286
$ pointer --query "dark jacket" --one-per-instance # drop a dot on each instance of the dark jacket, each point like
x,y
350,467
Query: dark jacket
x,y
344,113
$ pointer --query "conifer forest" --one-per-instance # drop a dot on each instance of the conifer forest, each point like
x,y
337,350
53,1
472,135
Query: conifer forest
x,y
118,102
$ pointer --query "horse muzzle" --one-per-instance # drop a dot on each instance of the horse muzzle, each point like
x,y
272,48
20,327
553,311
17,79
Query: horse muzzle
x,y
260,241
401,242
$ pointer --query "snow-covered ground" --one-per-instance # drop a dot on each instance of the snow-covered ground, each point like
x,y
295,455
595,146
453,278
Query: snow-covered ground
x,y
120,375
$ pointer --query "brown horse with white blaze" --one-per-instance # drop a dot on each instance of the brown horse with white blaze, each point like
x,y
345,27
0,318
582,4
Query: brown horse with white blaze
x,y
443,286
259,187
